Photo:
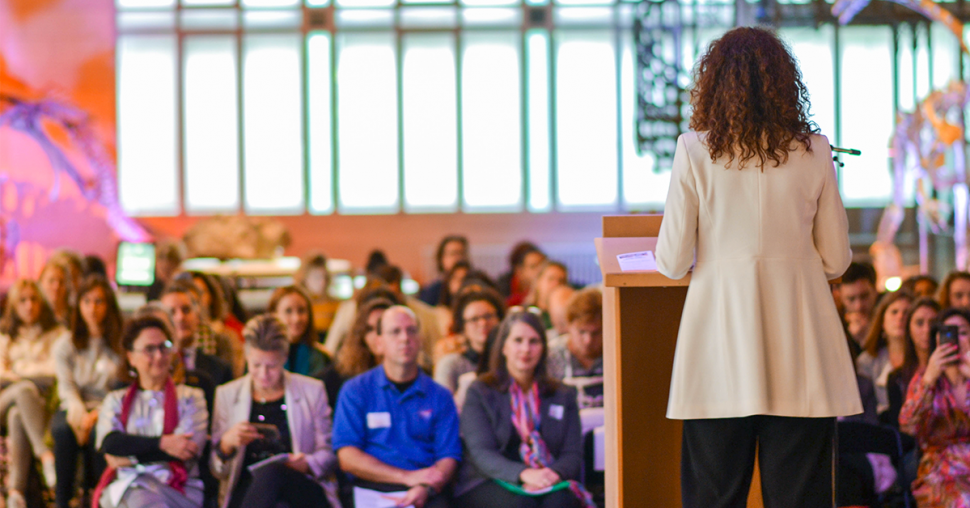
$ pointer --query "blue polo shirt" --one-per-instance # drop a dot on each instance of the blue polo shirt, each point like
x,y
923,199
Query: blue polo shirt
x,y
410,430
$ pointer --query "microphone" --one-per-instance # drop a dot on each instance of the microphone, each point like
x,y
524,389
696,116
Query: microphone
x,y
847,151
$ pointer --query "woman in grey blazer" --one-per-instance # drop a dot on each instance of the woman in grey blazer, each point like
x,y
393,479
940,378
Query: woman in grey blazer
x,y
272,414
520,428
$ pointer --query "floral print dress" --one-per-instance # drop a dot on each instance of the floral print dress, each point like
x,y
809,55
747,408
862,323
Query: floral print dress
x,y
941,424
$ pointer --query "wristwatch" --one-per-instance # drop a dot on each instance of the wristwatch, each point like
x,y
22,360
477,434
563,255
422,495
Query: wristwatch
x,y
432,492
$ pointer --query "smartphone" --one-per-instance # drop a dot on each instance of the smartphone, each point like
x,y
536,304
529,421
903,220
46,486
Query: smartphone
x,y
950,334
270,432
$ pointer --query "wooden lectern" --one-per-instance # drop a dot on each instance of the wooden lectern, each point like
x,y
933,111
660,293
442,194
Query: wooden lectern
x,y
641,316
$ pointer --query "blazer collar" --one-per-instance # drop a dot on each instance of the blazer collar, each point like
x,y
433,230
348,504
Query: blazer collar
x,y
292,396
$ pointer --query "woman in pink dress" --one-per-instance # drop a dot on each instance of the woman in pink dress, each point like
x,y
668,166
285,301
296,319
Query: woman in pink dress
x,y
936,412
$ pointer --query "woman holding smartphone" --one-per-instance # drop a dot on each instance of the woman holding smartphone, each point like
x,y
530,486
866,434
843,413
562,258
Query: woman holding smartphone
x,y
936,413
272,414
761,363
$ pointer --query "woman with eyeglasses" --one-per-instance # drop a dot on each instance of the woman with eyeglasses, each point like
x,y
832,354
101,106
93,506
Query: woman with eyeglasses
x,y
520,428
272,414
87,364
476,312
28,332
153,432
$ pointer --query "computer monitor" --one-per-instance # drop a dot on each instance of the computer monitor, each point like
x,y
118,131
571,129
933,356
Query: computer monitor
x,y
136,264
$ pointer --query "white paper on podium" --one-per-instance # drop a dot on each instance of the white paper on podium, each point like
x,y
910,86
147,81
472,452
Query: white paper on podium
x,y
637,261
367,498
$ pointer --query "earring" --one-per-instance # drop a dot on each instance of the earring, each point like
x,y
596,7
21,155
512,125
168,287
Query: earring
x,y
133,373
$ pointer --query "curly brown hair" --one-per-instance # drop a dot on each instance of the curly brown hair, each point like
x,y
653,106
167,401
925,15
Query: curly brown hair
x,y
354,357
749,97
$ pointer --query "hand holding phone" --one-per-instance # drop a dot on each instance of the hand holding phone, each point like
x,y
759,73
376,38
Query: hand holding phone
x,y
950,334
268,431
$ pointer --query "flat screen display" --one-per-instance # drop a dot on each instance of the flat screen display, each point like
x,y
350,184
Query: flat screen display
x,y
136,264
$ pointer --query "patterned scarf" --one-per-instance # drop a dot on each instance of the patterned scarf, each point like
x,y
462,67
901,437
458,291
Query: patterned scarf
x,y
205,339
170,421
526,419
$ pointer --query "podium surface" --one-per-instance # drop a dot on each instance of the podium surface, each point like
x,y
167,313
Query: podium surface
x,y
641,317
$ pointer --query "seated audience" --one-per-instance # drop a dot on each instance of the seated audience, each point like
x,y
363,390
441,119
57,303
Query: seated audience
x,y
451,250
292,306
476,313
921,286
93,265
74,262
524,262
219,336
87,364
168,260
857,294
270,412
55,283
395,429
346,315
559,299
935,412
552,274
28,332
885,344
920,318
582,354
152,433
182,302
361,351
315,278
955,290
520,428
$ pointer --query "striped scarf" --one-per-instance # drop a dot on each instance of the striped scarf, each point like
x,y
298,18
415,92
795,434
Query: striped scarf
x,y
526,418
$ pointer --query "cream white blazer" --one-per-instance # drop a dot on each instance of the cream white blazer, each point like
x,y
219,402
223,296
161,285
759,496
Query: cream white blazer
x,y
310,421
760,334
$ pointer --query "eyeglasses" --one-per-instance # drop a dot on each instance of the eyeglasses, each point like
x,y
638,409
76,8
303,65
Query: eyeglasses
x,y
162,348
485,318
531,309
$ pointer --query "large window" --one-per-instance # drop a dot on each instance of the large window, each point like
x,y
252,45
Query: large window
x,y
438,106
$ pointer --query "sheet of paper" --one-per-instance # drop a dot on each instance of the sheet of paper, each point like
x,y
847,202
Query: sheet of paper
x,y
637,261
367,498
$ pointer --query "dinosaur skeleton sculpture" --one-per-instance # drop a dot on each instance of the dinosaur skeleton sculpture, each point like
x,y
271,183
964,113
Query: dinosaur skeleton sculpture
x,y
920,144
29,118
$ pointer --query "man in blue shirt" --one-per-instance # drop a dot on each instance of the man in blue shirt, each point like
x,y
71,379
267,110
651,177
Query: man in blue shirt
x,y
395,429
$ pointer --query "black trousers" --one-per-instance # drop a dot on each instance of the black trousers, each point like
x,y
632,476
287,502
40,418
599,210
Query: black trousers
x,y
491,495
66,451
275,483
795,457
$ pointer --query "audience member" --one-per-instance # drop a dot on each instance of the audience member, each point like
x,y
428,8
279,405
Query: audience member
x,y
270,412
28,331
559,299
87,364
885,344
315,278
375,260
921,286
214,316
936,413
582,354
524,262
152,433
920,318
395,429
858,294
168,261
361,351
306,356
476,313
74,263
552,274
451,250
454,281
955,290
236,314
181,300
541,449
55,283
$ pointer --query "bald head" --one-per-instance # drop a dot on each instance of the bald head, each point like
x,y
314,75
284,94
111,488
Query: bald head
x,y
399,338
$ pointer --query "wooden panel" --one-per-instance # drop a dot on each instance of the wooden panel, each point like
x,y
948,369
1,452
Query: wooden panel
x,y
631,225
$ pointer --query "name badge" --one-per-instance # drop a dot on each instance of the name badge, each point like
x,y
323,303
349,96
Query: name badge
x,y
383,420
556,411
